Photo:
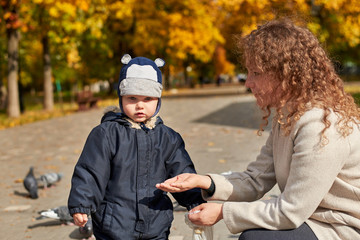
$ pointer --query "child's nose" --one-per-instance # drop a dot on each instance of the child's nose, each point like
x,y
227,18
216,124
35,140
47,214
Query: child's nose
x,y
139,105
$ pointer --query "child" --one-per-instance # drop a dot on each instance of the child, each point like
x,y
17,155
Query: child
x,y
123,159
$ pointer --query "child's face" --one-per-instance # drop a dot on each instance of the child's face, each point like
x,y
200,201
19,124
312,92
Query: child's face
x,y
139,108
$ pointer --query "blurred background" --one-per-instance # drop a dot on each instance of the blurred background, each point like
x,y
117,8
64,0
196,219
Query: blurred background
x,y
51,50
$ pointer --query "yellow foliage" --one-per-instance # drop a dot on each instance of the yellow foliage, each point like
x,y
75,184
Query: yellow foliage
x,y
54,12
7,15
67,8
83,5
122,9
222,65
79,27
73,57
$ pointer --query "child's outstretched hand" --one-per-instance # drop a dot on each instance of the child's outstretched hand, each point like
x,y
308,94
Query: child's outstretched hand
x,y
184,182
80,219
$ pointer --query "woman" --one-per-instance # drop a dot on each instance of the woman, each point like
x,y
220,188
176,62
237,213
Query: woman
x,y
312,153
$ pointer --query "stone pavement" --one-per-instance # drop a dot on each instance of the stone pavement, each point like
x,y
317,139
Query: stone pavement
x,y
219,131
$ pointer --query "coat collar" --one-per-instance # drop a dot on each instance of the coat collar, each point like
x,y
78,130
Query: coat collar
x,y
113,113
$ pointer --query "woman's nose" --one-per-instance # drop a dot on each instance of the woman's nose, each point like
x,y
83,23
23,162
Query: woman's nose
x,y
249,83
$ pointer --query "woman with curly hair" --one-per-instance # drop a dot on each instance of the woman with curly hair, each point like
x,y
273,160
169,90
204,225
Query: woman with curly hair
x,y
312,153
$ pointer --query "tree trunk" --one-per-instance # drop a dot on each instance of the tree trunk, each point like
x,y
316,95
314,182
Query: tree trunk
x,y
48,86
3,96
13,108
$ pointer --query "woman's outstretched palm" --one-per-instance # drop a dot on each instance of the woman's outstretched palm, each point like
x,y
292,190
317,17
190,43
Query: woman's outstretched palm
x,y
184,182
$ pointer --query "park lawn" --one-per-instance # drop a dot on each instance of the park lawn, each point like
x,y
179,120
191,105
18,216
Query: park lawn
x,y
35,113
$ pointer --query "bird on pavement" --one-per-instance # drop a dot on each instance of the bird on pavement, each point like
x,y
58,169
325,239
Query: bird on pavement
x,y
60,213
49,179
30,184
87,230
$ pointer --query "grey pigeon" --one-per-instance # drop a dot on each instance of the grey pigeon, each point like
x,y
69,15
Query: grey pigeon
x,y
30,184
49,179
60,213
87,230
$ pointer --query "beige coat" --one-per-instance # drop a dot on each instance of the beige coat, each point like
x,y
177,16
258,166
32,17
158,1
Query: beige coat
x,y
319,185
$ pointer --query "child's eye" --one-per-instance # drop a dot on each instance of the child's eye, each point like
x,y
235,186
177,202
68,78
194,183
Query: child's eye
x,y
148,99
132,98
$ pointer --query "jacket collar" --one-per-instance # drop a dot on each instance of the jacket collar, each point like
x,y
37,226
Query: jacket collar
x,y
114,113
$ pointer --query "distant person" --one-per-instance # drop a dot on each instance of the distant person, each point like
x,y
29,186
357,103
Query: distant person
x,y
218,80
201,80
312,152
125,156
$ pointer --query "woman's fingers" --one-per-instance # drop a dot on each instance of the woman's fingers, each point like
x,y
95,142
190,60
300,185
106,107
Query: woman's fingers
x,y
167,188
206,214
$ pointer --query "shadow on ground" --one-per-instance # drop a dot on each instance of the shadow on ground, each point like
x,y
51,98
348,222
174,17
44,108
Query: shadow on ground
x,y
50,223
242,114
75,234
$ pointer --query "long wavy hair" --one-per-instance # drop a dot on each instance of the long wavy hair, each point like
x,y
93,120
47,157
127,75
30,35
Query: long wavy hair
x,y
304,73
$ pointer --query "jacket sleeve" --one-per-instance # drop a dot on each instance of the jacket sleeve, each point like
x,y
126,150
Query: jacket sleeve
x,y
178,163
250,185
312,172
91,174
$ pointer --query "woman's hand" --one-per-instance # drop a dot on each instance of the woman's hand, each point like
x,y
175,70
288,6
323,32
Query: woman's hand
x,y
80,219
184,182
210,213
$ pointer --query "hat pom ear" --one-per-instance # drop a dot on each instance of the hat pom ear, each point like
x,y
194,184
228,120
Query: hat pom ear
x,y
159,62
126,59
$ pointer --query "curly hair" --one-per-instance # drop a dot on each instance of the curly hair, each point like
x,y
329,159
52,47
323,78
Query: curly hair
x,y
304,73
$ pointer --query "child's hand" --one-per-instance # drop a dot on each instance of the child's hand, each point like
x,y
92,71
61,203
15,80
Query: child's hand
x,y
184,182
80,219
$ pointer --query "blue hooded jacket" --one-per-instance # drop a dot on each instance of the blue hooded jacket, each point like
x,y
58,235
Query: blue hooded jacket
x,y
114,179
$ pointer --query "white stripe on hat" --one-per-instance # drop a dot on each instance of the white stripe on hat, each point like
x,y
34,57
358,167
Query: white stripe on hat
x,y
141,72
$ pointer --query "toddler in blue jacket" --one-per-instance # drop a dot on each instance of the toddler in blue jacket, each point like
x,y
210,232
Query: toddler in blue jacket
x,y
125,157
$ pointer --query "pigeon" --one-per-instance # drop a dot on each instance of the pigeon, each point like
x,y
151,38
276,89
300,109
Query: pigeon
x,y
49,179
60,213
30,184
87,230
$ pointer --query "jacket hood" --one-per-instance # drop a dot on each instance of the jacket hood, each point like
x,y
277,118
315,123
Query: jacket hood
x,y
113,113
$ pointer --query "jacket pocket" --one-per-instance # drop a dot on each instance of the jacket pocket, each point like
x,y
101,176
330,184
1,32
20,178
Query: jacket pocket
x,y
103,216
107,217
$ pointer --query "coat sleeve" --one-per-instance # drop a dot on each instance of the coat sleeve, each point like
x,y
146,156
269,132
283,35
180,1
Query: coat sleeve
x,y
250,185
91,174
178,163
312,172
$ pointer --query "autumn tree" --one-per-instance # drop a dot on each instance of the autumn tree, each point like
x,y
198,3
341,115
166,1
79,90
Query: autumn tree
x,y
11,17
336,23
2,62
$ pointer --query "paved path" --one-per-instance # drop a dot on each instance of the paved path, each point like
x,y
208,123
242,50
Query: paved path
x,y
219,132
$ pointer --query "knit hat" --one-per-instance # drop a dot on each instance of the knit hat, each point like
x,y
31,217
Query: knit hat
x,y
140,76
